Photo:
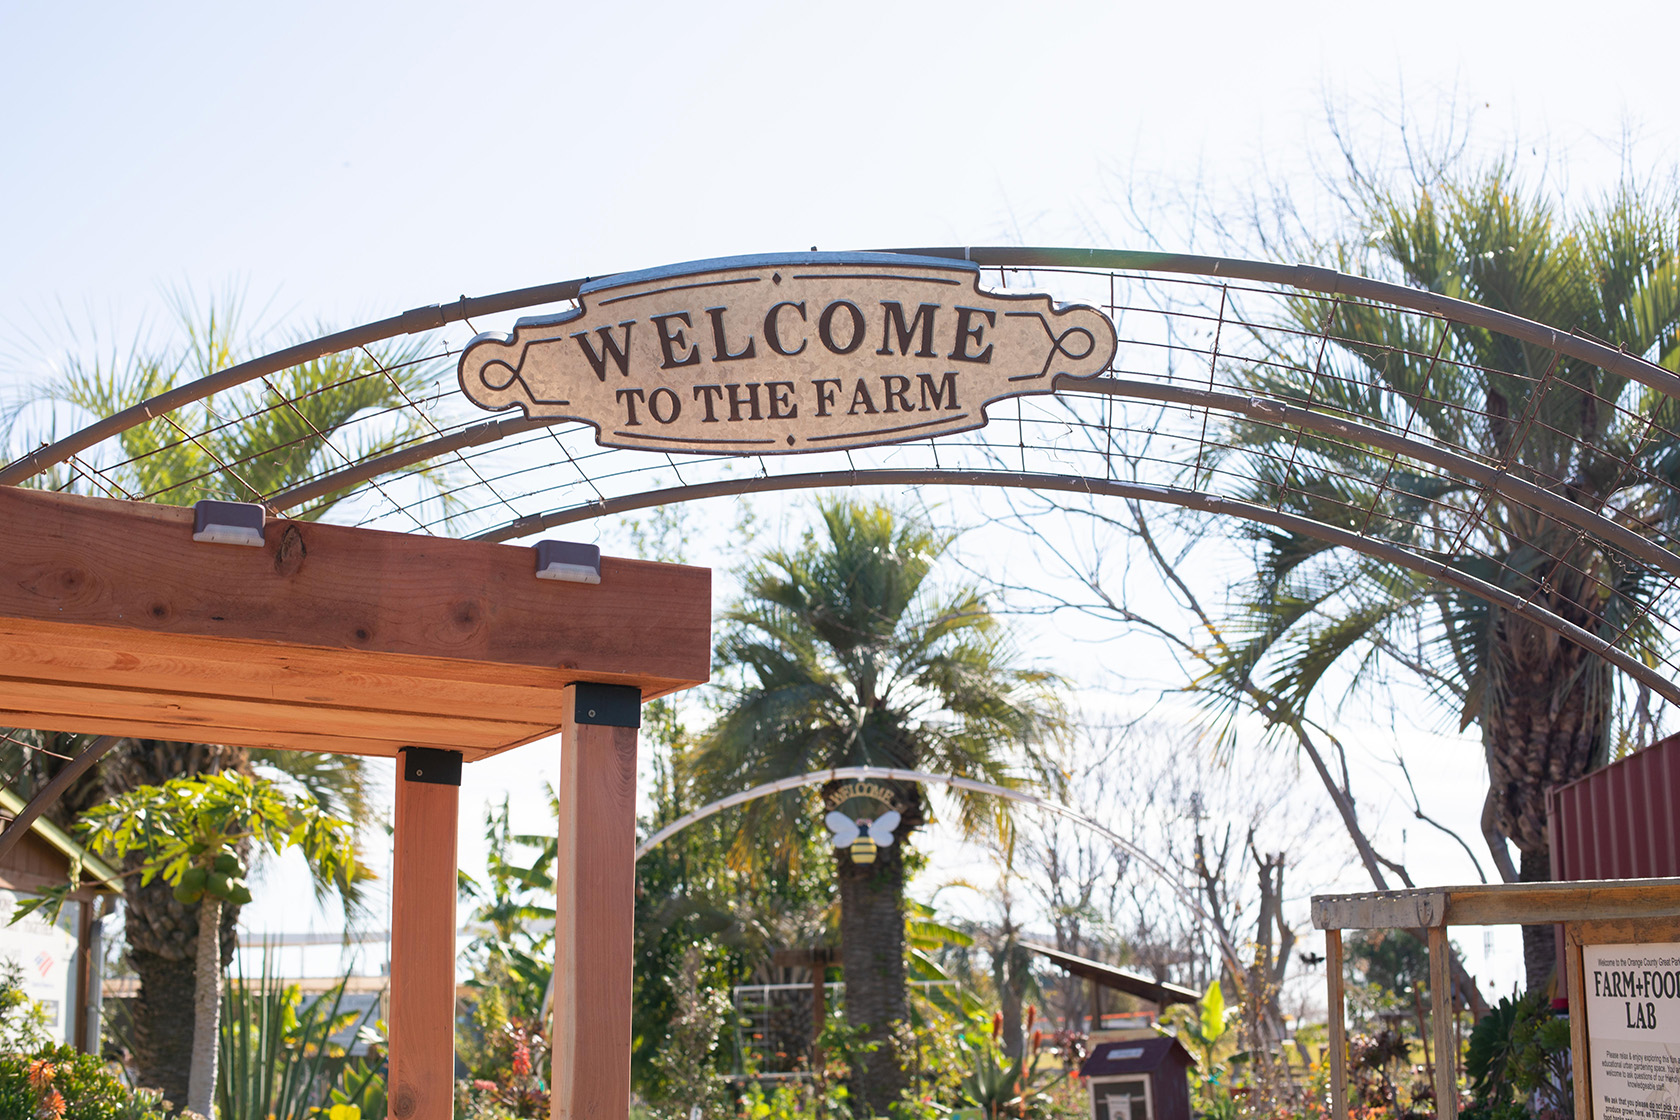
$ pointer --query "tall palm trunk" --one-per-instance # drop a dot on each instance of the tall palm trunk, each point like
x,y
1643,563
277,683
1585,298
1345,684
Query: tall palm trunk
x,y
1548,723
872,961
207,1004
163,935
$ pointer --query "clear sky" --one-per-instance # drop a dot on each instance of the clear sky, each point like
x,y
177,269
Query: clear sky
x,y
344,162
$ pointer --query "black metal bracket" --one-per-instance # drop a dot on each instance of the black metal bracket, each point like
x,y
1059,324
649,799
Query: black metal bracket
x,y
431,766
609,705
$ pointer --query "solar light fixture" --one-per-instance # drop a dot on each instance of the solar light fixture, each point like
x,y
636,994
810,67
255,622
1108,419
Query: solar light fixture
x,y
569,560
228,523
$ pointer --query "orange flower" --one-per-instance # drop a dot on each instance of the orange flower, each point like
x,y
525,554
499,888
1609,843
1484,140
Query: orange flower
x,y
53,1107
40,1074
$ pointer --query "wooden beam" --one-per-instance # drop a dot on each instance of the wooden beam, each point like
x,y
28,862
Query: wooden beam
x,y
1441,1020
1380,910
1499,904
1334,979
112,619
423,886
595,904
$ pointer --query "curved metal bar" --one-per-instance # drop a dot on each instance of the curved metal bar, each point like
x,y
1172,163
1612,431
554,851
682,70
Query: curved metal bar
x,y
1303,277
1078,484
1330,282
478,434
1260,409
818,777
409,322
1267,411
54,789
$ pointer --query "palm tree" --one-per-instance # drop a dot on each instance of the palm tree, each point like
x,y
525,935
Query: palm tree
x,y
845,655
1545,707
242,445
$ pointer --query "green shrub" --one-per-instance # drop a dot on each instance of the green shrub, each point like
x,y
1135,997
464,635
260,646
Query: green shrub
x,y
60,1083
23,1022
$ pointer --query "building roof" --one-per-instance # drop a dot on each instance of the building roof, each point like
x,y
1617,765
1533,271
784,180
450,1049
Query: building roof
x,y
104,876
1131,1056
1117,979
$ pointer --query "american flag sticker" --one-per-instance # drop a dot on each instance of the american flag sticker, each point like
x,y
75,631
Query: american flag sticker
x,y
44,964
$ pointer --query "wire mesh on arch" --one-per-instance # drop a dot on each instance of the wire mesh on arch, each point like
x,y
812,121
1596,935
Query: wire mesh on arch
x,y
1522,462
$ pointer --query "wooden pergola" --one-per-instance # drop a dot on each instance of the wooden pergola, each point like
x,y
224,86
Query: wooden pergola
x,y
1601,912
439,651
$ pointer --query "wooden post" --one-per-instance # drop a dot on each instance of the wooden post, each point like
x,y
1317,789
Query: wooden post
x,y
1338,1027
1441,1020
422,1008
595,902
1580,1059
84,976
819,1008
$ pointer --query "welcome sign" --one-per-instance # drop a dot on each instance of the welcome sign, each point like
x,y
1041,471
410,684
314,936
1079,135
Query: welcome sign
x,y
785,354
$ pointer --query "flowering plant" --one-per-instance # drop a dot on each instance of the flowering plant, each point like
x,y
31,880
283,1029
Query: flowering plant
x,y
59,1083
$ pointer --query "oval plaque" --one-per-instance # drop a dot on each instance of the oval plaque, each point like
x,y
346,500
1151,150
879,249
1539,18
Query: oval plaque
x,y
788,353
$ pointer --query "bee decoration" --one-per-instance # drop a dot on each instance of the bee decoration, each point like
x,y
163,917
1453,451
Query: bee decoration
x,y
862,836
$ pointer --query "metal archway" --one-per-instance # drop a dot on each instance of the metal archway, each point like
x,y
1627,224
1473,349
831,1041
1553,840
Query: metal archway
x,y
844,773
841,773
514,498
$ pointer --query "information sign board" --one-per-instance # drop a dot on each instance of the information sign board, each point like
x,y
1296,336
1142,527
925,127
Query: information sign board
x,y
785,354
1633,1029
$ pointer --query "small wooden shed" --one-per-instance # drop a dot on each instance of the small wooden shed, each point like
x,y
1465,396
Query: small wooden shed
x,y
1139,1079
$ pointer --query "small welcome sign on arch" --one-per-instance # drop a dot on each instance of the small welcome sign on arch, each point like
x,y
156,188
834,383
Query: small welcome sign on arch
x,y
785,354
862,835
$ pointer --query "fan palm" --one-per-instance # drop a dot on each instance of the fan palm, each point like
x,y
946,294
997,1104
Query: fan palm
x,y
1544,706
846,656
243,445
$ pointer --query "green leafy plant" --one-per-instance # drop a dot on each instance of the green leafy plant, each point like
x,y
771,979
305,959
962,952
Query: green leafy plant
x,y
23,1021
61,1083
1002,1088
794,1102
277,1057
188,832
1209,1026
1518,1062
1212,1023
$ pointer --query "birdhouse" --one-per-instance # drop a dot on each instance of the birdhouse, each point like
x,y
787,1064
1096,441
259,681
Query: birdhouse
x,y
1139,1079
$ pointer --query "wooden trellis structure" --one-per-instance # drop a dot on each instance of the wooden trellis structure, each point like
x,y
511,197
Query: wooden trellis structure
x,y
1603,912
324,637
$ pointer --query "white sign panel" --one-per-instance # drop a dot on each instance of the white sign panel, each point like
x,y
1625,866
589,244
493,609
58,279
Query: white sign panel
x,y
1633,1029
46,955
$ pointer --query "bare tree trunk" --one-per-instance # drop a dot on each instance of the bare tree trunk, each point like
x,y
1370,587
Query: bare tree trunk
x,y
207,1006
